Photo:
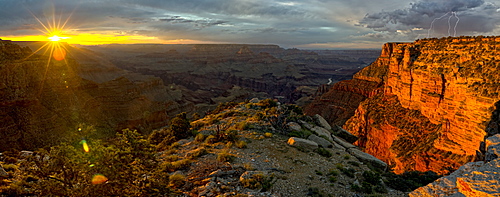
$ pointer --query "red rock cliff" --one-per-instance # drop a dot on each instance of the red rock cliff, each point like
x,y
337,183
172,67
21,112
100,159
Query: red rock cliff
x,y
436,99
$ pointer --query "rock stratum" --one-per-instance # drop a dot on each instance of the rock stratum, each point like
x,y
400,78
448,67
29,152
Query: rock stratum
x,y
426,105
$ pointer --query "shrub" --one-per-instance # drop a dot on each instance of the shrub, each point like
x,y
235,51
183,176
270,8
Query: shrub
x,y
314,192
258,181
241,126
210,139
124,162
302,134
179,126
176,180
332,179
333,173
241,144
267,103
323,152
224,156
347,171
353,163
372,177
198,153
199,137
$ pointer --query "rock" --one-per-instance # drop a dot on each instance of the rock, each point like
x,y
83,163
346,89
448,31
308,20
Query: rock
x,y
367,158
492,145
25,154
254,100
472,179
322,122
322,132
344,134
303,143
320,141
3,173
207,132
338,146
221,173
428,104
294,126
343,143
305,124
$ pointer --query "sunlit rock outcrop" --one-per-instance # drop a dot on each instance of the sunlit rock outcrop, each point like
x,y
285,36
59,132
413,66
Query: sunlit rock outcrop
x,y
431,104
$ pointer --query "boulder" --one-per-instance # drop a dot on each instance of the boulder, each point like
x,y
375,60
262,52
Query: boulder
x,y
343,143
320,131
338,146
320,141
294,126
305,124
303,143
472,179
344,134
492,146
254,100
322,122
367,158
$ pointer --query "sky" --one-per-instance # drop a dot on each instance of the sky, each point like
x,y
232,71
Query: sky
x,y
305,24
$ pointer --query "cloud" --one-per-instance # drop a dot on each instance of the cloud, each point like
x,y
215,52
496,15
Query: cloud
x,y
436,18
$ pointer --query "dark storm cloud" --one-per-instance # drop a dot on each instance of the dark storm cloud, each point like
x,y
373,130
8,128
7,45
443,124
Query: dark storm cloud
x,y
474,16
284,22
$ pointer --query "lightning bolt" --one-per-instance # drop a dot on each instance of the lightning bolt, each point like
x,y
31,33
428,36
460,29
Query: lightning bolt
x,y
456,24
449,25
432,24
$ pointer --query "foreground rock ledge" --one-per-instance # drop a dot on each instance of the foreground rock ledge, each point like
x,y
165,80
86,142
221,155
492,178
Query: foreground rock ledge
x,y
472,179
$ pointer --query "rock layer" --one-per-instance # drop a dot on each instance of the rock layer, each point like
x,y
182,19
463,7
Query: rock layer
x,y
428,103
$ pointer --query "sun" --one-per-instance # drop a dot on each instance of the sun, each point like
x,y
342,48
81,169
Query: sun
x,y
56,38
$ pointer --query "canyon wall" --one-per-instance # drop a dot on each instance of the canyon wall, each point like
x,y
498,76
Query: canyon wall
x,y
44,101
431,107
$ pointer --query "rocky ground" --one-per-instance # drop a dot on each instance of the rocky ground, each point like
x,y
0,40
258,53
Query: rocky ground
x,y
268,163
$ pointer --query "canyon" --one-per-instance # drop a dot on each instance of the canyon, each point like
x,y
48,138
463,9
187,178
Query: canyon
x,y
106,88
426,105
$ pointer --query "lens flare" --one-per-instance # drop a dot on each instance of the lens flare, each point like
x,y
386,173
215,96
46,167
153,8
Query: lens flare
x,y
98,179
59,54
85,146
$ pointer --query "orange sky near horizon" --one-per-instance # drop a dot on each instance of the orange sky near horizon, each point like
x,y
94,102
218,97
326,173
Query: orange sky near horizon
x,y
98,39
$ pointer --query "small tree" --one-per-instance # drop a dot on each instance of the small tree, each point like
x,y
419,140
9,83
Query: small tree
x,y
179,126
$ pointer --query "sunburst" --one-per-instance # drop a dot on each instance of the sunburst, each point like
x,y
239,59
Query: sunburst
x,y
55,47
